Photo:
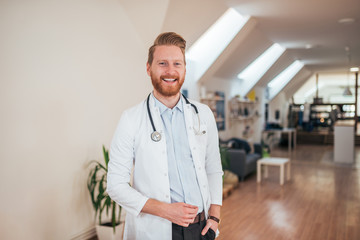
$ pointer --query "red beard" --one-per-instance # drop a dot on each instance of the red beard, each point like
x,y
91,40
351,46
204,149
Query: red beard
x,y
167,90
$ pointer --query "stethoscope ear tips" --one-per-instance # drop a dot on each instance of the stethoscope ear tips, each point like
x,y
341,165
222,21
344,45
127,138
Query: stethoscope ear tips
x,y
203,132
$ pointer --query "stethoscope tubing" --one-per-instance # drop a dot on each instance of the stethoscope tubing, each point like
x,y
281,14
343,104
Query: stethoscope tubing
x,y
155,135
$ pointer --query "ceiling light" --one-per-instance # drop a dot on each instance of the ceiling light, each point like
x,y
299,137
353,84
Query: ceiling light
x,y
346,20
354,69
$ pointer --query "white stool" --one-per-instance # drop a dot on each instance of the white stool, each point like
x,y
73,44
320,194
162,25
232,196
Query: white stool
x,y
274,162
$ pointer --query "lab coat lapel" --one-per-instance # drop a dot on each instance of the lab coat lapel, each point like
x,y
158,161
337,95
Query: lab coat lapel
x,y
160,146
189,123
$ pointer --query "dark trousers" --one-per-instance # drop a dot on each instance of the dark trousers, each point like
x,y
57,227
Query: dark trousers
x,y
192,232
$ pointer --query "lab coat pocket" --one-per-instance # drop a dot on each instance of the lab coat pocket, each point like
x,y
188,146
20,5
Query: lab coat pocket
x,y
201,141
201,135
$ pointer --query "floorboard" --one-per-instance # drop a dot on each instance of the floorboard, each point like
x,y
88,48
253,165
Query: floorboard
x,y
321,201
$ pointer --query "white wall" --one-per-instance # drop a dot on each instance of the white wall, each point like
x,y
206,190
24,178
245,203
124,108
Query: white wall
x,y
330,87
67,71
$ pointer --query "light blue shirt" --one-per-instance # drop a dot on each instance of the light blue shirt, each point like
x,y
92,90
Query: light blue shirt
x,y
184,186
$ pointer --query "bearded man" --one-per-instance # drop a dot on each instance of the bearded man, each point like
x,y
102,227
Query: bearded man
x,y
167,148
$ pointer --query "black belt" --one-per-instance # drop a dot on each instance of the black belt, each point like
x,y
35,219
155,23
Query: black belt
x,y
200,217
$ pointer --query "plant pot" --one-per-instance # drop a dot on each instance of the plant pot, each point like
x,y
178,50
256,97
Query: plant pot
x,y
107,232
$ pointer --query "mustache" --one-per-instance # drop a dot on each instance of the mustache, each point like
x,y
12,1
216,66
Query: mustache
x,y
170,76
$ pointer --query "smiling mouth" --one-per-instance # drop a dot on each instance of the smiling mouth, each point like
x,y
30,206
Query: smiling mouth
x,y
169,79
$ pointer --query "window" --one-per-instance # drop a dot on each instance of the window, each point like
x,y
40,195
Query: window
x,y
280,81
212,43
256,70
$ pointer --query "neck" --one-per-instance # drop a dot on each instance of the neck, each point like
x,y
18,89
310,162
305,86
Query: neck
x,y
170,102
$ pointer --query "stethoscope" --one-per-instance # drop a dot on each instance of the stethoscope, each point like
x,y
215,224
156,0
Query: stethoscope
x,y
156,136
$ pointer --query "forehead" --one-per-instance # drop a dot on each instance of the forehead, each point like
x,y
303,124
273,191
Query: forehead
x,y
168,52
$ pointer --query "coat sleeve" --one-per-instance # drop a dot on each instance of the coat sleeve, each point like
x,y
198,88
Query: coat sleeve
x,y
120,168
212,160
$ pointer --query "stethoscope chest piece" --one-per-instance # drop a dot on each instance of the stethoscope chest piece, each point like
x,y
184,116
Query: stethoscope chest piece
x,y
156,136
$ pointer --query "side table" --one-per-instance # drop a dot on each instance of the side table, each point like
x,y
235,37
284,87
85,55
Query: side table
x,y
271,161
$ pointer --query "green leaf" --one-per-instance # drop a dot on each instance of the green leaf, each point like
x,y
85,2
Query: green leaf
x,y
119,214
96,184
225,162
106,156
113,217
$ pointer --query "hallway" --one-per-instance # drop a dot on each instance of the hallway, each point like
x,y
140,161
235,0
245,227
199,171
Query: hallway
x,y
321,201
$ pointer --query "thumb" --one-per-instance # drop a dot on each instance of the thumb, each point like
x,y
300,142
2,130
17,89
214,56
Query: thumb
x,y
206,228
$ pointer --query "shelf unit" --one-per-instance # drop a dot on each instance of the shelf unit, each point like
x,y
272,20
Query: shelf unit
x,y
243,110
321,113
244,113
217,105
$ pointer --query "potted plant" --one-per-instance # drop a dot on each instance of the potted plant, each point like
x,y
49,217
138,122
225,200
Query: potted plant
x,y
96,184
230,180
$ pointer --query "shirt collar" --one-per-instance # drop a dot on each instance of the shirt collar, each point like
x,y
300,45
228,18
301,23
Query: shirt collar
x,y
163,108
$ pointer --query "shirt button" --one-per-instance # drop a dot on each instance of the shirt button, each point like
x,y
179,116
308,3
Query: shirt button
x,y
194,148
163,152
204,186
165,174
199,168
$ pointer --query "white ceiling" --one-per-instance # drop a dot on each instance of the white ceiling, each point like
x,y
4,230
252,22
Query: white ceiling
x,y
294,24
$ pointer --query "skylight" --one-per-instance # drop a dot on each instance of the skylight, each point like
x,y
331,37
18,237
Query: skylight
x,y
212,43
254,72
280,81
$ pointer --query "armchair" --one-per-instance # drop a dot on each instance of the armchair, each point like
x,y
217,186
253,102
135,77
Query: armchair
x,y
242,161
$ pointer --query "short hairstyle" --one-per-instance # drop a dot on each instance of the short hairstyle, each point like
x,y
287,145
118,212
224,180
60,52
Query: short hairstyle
x,y
167,38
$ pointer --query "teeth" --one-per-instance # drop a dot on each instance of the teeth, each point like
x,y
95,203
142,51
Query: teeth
x,y
169,79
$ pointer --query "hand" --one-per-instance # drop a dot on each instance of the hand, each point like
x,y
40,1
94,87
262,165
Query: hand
x,y
181,213
210,224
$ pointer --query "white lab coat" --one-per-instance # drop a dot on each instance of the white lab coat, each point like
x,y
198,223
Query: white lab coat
x,y
133,149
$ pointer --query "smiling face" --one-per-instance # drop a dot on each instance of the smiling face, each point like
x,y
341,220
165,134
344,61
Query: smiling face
x,y
167,70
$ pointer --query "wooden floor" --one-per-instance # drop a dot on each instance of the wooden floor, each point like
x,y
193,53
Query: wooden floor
x,y
321,201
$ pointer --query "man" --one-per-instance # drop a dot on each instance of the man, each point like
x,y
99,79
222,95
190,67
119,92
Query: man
x,y
176,189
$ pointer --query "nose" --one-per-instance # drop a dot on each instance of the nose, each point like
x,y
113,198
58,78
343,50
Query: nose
x,y
170,69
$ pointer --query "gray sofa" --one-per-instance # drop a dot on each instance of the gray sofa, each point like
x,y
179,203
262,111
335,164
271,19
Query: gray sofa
x,y
242,161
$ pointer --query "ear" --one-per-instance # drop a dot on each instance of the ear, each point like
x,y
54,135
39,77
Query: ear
x,y
148,68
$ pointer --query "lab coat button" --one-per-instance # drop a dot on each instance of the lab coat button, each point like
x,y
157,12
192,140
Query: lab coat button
x,y
165,174
167,196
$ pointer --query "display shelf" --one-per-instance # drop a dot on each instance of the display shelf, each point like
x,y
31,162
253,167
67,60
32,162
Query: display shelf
x,y
216,102
243,110
249,118
323,115
213,99
244,113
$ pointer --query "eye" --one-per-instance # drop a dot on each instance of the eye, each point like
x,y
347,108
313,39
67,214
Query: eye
x,y
178,64
161,63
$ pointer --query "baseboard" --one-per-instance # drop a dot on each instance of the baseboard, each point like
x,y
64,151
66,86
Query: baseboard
x,y
86,234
